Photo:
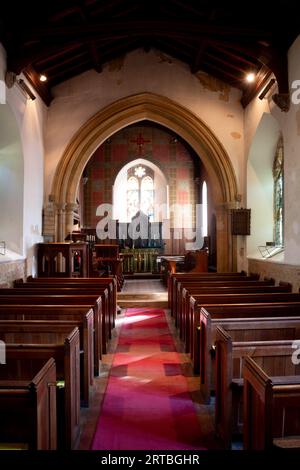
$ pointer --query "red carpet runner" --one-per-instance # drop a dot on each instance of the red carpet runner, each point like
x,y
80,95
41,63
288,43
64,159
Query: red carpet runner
x,y
147,405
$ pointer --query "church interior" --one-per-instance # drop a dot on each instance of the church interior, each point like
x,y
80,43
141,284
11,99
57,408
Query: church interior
x,y
150,229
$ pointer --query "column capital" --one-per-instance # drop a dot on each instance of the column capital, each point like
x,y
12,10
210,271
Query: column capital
x,y
71,206
60,205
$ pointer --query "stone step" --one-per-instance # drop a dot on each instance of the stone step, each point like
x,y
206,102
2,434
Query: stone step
x,y
143,303
143,296
146,299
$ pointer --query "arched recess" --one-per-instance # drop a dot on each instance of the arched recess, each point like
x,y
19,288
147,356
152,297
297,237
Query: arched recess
x,y
11,182
260,183
161,110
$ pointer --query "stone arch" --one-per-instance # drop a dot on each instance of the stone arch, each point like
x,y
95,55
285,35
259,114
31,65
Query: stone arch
x,y
161,110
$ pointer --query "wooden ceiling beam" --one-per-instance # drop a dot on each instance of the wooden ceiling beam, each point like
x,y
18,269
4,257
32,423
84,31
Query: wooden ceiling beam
x,y
41,87
198,57
226,63
112,29
185,6
216,73
236,57
252,90
106,6
171,47
223,72
48,69
19,60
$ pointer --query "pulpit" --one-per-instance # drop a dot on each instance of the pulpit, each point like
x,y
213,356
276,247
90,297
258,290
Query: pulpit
x,y
65,259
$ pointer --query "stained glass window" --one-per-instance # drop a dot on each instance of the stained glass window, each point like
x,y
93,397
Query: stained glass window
x,y
132,197
278,175
140,193
147,197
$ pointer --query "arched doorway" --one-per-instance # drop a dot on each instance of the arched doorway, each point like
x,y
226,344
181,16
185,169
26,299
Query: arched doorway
x,y
161,110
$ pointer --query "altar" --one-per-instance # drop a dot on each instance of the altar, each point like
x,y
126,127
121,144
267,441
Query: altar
x,y
140,260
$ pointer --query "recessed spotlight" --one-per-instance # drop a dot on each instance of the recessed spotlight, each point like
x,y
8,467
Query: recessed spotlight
x,y
250,77
43,78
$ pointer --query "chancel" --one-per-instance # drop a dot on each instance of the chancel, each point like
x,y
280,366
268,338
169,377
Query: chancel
x,y
150,228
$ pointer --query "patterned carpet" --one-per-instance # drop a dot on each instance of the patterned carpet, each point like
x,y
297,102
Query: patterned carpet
x,y
147,405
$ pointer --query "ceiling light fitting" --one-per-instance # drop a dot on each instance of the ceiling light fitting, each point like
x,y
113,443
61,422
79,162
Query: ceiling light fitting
x,y
25,88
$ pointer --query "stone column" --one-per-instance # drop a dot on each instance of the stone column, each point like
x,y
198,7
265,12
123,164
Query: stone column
x,y
69,216
60,221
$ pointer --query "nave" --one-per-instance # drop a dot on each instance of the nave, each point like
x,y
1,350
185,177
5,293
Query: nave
x,y
147,396
94,379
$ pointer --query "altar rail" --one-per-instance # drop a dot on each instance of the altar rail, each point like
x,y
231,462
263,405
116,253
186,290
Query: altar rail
x,y
140,260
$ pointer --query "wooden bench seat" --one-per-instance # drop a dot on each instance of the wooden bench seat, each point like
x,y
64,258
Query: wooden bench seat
x,y
188,292
271,404
198,301
44,319
230,358
101,292
246,329
190,288
109,283
37,346
85,301
28,405
192,285
205,277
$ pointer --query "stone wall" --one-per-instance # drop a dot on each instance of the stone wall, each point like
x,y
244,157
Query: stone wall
x,y
278,271
10,271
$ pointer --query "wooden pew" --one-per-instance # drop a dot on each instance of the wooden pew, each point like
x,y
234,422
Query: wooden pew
x,y
109,282
102,292
244,323
271,403
47,316
187,290
173,277
230,357
204,277
39,344
198,301
28,404
86,301
185,287
253,287
193,284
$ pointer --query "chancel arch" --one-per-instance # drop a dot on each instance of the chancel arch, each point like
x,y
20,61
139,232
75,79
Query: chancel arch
x,y
171,115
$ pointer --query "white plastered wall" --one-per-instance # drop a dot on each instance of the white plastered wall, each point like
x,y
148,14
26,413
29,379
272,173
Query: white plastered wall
x,y
288,123
78,99
30,120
